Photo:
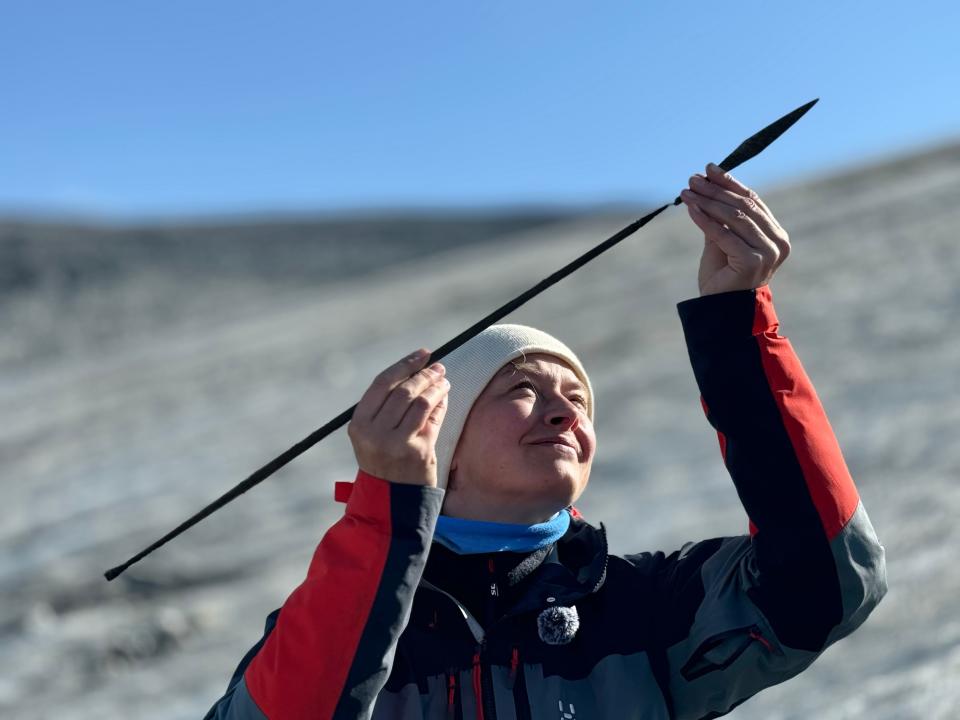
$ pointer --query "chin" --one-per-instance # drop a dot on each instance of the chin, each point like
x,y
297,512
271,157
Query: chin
x,y
563,490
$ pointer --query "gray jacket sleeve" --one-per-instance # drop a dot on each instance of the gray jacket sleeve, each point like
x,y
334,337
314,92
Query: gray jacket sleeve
x,y
754,610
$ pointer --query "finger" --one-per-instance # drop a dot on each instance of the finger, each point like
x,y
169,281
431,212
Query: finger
x,y
425,407
734,218
432,426
716,174
405,394
732,245
765,219
737,200
382,384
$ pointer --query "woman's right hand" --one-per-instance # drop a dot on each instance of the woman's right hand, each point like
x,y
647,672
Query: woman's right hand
x,y
395,425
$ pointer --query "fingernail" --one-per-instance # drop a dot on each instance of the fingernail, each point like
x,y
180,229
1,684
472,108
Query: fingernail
x,y
418,354
437,368
697,181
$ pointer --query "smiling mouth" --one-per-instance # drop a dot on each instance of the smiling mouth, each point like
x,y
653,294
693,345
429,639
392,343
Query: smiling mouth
x,y
561,447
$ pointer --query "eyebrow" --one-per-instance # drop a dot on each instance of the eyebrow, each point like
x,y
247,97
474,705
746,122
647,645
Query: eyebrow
x,y
525,367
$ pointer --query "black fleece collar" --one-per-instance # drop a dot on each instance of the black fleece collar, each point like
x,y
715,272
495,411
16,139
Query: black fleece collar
x,y
559,574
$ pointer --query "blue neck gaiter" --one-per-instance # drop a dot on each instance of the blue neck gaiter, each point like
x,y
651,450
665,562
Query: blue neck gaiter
x,y
468,537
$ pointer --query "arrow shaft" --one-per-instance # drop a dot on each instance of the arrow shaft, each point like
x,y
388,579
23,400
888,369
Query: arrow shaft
x,y
749,148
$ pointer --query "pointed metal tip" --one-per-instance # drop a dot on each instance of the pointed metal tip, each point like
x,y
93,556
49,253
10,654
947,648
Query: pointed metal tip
x,y
755,144
802,110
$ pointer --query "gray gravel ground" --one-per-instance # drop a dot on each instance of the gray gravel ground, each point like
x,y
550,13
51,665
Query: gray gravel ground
x,y
194,382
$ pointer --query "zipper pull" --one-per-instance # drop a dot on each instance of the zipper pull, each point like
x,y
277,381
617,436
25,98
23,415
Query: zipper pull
x,y
514,663
478,681
451,693
756,635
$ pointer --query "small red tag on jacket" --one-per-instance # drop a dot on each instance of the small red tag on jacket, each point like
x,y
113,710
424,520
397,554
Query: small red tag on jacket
x,y
341,491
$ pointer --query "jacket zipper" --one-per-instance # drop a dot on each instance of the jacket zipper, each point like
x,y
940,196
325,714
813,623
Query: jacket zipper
x,y
483,681
517,684
483,686
451,693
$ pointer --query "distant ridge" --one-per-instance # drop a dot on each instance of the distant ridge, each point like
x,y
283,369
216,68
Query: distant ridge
x,y
35,253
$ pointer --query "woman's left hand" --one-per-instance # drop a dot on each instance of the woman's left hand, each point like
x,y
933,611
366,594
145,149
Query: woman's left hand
x,y
743,242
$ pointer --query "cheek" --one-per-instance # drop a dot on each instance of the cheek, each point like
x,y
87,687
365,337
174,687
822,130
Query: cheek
x,y
589,439
511,420
503,425
515,409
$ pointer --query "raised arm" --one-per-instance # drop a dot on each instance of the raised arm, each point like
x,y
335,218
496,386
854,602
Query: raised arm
x,y
815,548
743,613
329,650
738,614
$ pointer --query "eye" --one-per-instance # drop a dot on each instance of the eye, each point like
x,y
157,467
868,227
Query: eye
x,y
577,399
526,384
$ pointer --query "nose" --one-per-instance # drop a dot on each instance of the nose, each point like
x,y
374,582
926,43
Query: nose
x,y
562,415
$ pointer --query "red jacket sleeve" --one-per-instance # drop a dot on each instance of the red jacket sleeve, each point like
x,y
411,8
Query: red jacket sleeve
x,y
332,647
784,460
738,614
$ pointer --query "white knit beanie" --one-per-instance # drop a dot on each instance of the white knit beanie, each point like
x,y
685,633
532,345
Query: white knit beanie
x,y
472,365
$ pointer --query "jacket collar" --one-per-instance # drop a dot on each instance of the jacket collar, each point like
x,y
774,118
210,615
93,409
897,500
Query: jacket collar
x,y
573,567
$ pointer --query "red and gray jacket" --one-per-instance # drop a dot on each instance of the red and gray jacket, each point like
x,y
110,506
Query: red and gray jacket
x,y
687,635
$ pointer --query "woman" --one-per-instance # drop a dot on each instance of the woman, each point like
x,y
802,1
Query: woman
x,y
462,583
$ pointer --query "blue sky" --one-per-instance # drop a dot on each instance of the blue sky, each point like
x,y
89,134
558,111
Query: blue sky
x,y
132,109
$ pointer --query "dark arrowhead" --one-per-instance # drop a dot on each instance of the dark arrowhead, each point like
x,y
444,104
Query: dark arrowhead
x,y
758,142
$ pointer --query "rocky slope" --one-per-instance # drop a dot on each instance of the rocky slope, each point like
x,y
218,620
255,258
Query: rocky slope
x,y
132,400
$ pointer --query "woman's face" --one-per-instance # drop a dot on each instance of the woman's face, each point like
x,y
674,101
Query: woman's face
x,y
527,445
